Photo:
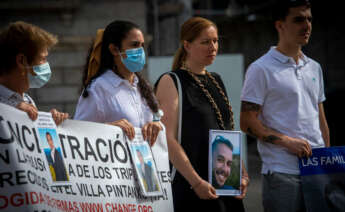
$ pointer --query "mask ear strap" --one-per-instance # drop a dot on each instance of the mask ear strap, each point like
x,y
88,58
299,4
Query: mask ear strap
x,y
20,58
22,62
25,66
117,50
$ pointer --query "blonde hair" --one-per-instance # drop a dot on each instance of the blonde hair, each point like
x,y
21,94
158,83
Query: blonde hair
x,y
190,30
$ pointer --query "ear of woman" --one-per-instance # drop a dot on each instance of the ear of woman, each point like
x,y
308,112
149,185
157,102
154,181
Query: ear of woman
x,y
186,45
114,50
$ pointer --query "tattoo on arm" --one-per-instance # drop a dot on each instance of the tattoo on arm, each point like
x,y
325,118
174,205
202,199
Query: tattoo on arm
x,y
271,139
249,106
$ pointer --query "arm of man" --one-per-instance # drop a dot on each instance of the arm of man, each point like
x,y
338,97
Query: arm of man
x,y
251,125
168,98
324,126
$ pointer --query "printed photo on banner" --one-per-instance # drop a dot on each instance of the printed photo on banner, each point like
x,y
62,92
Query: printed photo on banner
x,y
145,168
52,150
225,167
50,142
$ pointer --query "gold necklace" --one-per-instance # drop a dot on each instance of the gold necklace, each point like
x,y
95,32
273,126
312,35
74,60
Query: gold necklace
x,y
211,100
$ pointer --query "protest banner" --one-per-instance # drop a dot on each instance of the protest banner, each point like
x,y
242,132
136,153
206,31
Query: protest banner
x,y
94,172
323,179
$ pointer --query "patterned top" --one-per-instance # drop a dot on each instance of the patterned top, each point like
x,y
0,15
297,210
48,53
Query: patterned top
x,y
12,98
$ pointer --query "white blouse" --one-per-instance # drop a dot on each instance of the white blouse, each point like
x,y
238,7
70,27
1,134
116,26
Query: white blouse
x,y
112,98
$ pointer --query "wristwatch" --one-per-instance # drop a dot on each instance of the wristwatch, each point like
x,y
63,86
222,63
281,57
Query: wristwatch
x,y
158,115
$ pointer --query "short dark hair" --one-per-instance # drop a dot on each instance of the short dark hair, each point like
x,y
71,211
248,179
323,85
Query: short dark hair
x,y
221,140
281,7
138,151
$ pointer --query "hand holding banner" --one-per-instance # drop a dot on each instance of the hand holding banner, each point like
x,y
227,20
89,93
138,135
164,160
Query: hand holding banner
x,y
323,179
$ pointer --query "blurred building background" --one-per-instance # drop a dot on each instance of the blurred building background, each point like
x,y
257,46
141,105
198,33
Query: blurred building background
x,y
244,27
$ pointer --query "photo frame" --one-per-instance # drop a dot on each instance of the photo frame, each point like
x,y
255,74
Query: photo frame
x,y
225,166
50,143
144,166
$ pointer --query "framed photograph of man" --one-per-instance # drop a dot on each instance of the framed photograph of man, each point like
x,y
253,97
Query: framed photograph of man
x,y
145,168
225,167
52,150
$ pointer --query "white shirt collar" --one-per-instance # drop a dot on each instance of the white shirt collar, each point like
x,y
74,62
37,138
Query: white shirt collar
x,y
115,80
285,59
52,153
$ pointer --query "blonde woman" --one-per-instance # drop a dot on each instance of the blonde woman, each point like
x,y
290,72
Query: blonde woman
x,y
205,106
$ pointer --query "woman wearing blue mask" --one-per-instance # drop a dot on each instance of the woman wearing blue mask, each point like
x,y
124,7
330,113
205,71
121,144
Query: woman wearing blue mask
x,y
23,52
114,92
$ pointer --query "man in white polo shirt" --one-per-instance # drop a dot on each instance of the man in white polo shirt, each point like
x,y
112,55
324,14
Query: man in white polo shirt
x,y
282,107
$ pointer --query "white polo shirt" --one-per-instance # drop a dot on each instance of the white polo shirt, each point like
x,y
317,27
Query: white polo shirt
x,y
112,98
289,94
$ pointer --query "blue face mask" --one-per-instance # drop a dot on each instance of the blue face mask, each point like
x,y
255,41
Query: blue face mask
x,y
43,74
135,60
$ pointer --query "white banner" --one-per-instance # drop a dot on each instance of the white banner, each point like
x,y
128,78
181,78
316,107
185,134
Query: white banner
x,y
79,166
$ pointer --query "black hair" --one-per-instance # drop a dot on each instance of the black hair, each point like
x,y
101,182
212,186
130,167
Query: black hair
x,y
281,8
51,137
115,33
221,140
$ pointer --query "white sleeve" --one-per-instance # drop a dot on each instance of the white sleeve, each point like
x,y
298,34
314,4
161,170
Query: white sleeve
x,y
90,108
322,96
255,85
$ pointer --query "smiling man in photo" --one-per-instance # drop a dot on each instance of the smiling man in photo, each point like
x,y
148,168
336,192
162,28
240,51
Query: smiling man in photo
x,y
221,162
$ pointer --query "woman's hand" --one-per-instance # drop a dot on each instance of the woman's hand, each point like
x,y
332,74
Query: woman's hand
x,y
127,127
204,190
58,117
244,188
29,109
150,131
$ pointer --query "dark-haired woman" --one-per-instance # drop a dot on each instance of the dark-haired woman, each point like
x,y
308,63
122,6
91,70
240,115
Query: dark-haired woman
x,y
205,106
114,92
